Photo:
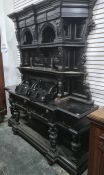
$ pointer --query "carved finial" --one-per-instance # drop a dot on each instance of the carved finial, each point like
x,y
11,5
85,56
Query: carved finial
x,y
92,3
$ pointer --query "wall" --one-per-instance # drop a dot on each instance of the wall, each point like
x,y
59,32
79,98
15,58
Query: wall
x,y
95,50
95,55
8,43
18,4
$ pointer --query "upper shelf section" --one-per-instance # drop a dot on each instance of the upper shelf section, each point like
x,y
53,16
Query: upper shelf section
x,y
52,22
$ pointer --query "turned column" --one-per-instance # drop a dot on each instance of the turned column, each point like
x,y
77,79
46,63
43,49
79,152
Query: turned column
x,y
53,137
60,88
14,111
76,145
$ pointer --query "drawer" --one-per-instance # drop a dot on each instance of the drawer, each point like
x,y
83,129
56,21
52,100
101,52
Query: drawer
x,y
98,132
19,102
41,114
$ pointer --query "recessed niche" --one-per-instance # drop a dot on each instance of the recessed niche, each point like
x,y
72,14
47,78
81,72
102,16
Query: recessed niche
x,y
27,38
26,58
79,28
67,30
48,35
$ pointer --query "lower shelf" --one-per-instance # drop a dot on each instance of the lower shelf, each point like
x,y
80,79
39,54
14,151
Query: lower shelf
x,y
62,156
2,114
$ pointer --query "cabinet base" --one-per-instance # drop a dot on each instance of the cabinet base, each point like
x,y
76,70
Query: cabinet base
x,y
43,145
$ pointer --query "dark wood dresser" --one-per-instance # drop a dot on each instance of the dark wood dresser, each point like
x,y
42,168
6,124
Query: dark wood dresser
x,y
49,108
96,157
2,92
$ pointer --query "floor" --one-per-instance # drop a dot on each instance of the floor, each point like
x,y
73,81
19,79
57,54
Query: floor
x,y
17,157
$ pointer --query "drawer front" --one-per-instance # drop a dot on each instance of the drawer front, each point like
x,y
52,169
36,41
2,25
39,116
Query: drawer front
x,y
97,131
41,114
20,103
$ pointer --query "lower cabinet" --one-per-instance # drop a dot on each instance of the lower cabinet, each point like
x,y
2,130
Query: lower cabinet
x,y
60,135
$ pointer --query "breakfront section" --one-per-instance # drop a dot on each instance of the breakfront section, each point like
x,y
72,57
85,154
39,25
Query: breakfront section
x,y
50,106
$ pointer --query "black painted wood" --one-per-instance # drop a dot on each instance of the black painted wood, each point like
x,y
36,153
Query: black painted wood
x,y
50,106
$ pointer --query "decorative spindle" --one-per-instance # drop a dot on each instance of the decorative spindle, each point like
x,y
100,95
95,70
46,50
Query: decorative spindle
x,y
53,137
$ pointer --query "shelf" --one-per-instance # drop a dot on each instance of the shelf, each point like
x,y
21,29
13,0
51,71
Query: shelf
x,y
33,137
47,45
50,71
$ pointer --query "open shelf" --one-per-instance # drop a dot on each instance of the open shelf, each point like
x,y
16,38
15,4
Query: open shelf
x,y
47,45
51,71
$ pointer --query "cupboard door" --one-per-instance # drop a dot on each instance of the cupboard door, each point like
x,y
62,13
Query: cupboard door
x,y
96,159
101,147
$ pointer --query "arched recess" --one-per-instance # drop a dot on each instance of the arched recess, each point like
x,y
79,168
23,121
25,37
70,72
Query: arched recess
x,y
27,37
48,33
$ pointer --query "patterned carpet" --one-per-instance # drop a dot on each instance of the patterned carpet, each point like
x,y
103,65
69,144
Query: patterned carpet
x,y
17,157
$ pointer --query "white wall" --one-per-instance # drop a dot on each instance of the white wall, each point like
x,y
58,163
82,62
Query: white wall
x,y
95,55
18,4
8,43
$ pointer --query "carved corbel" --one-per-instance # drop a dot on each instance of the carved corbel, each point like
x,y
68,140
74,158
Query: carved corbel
x,y
90,24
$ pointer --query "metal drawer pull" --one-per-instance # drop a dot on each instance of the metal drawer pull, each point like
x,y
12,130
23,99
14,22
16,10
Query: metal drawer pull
x,y
101,144
102,137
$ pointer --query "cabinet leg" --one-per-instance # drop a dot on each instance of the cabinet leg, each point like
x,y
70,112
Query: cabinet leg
x,y
14,131
75,144
50,162
15,114
53,137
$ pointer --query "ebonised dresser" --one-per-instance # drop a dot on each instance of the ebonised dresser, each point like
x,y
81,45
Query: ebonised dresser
x,y
50,106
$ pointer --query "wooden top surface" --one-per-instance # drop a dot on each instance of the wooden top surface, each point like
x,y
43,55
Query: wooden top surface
x,y
98,115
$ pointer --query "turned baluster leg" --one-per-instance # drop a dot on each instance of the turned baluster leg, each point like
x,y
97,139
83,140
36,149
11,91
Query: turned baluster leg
x,y
76,150
75,144
53,137
60,89
15,113
16,116
12,108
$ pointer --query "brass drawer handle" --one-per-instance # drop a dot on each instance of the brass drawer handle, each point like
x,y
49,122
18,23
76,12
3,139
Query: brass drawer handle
x,y
102,137
101,146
